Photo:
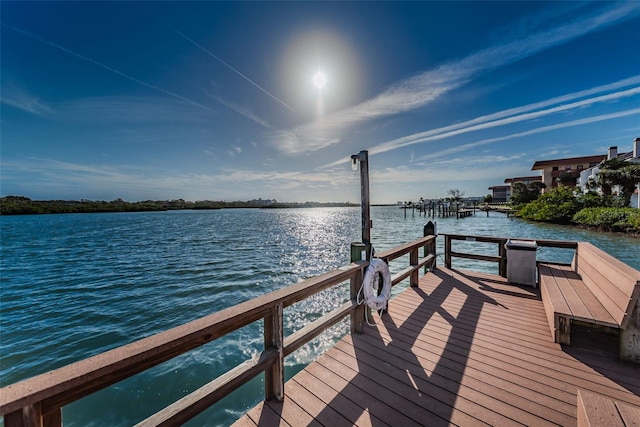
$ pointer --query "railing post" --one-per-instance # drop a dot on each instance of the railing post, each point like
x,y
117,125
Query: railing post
x,y
274,337
447,251
53,418
32,416
357,316
430,229
358,252
415,274
502,253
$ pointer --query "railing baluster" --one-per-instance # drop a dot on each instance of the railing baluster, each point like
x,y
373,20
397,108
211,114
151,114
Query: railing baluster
x,y
502,253
357,316
274,337
31,416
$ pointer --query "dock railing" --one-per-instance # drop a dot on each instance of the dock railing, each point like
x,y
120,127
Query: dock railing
x,y
38,401
501,258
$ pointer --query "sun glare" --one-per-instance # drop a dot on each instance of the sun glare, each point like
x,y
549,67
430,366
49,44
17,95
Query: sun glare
x,y
319,79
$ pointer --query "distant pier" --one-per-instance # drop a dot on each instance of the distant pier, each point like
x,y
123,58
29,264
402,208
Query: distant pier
x,y
441,210
501,208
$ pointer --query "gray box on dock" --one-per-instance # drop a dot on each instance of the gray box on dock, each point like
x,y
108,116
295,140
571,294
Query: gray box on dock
x,y
521,262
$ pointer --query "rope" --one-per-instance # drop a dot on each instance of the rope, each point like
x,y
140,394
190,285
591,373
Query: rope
x,y
362,301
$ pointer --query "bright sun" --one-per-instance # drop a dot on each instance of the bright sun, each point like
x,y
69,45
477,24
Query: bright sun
x,y
319,79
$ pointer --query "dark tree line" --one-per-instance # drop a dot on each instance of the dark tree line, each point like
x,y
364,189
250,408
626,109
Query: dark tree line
x,y
19,205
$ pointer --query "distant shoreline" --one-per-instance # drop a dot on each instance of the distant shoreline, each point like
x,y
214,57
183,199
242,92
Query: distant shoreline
x,y
19,205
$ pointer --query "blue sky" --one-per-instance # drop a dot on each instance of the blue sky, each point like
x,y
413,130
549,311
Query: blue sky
x,y
216,100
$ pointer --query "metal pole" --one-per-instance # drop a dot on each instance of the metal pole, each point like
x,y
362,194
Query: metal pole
x,y
363,158
366,211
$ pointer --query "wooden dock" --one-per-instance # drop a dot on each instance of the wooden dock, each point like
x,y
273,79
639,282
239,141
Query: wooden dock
x,y
455,348
460,349
463,213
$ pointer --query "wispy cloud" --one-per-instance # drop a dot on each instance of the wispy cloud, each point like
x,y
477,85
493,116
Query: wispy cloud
x,y
510,116
140,183
208,52
407,175
243,111
234,150
572,123
428,86
106,67
126,109
20,99
486,122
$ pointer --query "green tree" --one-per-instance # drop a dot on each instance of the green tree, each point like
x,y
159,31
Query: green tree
x,y
617,172
559,206
521,193
568,178
455,196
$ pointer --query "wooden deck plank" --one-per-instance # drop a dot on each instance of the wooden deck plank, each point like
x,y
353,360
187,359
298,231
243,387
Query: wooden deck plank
x,y
548,369
409,382
460,349
479,375
263,415
392,408
315,408
630,415
354,414
597,411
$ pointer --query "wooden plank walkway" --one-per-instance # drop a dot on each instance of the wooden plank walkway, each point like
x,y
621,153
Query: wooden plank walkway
x,y
461,349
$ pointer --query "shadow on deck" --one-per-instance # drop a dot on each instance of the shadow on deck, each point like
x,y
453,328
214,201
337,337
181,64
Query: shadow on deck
x,y
461,349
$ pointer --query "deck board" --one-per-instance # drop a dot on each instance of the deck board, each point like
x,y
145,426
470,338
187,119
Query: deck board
x,y
460,349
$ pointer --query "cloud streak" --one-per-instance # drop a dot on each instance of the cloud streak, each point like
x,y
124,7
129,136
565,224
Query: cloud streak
x,y
243,111
572,123
426,87
208,52
511,116
141,183
17,98
487,122
106,67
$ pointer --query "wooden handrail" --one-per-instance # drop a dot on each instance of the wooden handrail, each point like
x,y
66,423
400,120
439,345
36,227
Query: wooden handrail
x,y
501,258
38,401
415,262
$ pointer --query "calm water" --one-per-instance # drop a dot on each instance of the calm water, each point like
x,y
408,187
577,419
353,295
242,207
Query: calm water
x,y
78,284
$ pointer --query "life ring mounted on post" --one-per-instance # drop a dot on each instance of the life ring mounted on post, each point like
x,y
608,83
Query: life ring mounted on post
x,y
371,284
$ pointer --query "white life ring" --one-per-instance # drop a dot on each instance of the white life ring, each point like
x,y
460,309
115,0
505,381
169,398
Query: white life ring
x,y
370,284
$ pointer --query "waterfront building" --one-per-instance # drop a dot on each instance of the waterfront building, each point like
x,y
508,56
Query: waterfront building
x,y
567,169
502,193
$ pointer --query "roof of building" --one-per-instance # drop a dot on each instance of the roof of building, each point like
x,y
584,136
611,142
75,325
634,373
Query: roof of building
x,y
541,164
523,178
626,156
500,187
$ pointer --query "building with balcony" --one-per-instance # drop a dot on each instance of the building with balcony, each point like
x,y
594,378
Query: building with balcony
x,y
565,168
